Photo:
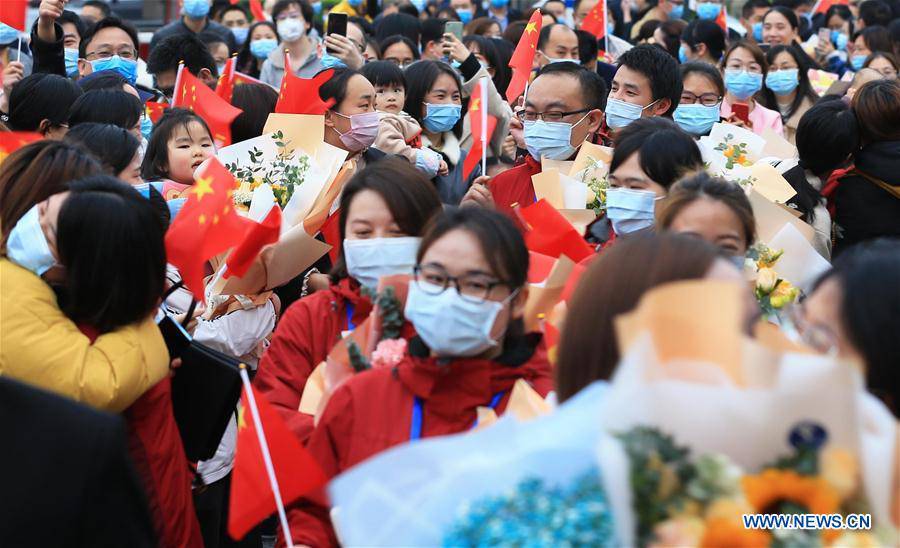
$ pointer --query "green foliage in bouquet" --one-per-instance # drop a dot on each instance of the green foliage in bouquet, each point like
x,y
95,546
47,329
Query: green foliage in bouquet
x,y
358,361
391,313
735,153
283,174
597,185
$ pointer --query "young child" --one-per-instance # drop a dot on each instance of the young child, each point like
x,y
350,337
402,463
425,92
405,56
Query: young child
x,y
180,142
399,132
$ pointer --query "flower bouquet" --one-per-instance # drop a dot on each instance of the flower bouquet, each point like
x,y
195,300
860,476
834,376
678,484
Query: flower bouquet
x,y
268,159
772,292
730,151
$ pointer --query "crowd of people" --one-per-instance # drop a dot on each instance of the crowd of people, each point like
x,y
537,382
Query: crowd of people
x,y
87,199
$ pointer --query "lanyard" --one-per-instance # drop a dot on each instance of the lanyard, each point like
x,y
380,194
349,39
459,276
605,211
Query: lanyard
x,y
350,309
415,428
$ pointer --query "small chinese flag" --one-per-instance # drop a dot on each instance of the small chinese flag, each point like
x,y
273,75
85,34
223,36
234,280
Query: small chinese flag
x,y
595,22
155,110
823,5
240,79
12,13
191,93
257,10
258,236
551,234
206,226
297,472
523,58
11,141
331,233
481,132
225,86
301,95
722,20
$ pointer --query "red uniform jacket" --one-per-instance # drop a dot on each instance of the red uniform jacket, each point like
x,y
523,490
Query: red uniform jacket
x,y
373,411
305,335
513,186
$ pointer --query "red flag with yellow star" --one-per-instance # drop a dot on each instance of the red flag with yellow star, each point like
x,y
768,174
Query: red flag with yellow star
x,y
225,86
301,95
11,141
551,234
722,20
257,10
297,472
12,12
258,236
192,94
481,133
206,226
155,110
523,58
595,21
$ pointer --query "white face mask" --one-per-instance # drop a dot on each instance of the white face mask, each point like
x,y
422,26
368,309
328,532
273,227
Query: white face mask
x,y
290,30
371,259
450,325
630,210
27,246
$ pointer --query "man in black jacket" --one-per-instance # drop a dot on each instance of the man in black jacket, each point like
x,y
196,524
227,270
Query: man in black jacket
x,y
66,477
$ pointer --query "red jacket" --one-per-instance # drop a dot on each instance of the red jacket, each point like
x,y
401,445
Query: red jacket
x,y
373,411
513,187
305,335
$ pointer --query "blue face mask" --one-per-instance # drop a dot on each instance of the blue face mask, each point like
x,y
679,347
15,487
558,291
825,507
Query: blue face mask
x,y
708,10
630,210
552,140
620,113
499,4
610,28
330,61
757,31
240,34
195,9
125,67
420,5
355,3
677,12
696,119
146,127
682,54
783,82
263,47
441,118
71,62
857,62
8,34
839,40
27,245
465,16
742,84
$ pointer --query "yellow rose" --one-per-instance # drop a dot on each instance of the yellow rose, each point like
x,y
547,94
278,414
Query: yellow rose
x,y
765,280
839,468
783,294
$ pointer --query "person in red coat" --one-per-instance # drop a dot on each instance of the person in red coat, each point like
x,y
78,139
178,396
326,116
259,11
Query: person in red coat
x,y
466,303
384,208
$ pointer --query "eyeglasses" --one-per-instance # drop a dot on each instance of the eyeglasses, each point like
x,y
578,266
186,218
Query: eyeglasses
x,y
799,329
103,53
475,288
552,116
705,99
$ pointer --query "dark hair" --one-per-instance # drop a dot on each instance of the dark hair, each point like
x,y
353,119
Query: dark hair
x,y
73,18
257,102
210,38
383,73
110,240
107,106
588,47
501,242
613,285
100,5
826,135
544,36
104,79
409,9
894,31
707,71
841,11
672,31
646,31
754,50
750,5
432,31
513,32
35,172
305,9
489,48
169,52
246,63
593,87
399,23
480,25
876,38
875,12
787,13
664,150
110,21
40,97
804,88
112,145
409,195
807,198
420,78
701,31
702,185
336,87
877,109
659,68
156,158
383,45
887,56
231,7
449,14
867,274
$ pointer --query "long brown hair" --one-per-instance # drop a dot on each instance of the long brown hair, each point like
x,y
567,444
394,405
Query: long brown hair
x,y
613,285
35,172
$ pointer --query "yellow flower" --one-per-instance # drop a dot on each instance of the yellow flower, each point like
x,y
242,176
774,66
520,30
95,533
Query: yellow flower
x,y
840,469
765,280
731,509
773,486
783,294
680,531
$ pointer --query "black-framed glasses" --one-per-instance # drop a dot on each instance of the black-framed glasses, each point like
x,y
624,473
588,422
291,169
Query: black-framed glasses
x,y
705,99
471,287
103,53
552,116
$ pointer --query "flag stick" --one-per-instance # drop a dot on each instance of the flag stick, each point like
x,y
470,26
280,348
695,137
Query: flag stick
x,y
177,84
483,84
267,458
19,49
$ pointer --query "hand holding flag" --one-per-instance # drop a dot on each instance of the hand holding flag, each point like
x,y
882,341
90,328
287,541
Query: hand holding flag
x,y
523,57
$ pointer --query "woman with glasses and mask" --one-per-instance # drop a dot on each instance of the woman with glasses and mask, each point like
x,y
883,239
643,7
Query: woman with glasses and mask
x,y
384,210
466,302
743,69
701,98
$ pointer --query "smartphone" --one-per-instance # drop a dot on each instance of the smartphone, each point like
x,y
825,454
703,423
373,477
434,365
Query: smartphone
x,y
455,28
337,24
824,35
742,111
